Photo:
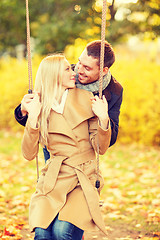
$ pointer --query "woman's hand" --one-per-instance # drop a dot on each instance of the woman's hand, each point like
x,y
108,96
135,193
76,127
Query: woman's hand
x,y
100,109
31,104
26,99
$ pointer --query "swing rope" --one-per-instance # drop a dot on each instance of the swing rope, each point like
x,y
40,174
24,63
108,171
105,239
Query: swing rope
x,y
29,50
103,27
30,79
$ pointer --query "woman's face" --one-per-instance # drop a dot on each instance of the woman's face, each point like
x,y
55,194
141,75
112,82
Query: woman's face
x,y
68,80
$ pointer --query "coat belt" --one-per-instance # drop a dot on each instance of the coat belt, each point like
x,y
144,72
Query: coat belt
x,y
52,169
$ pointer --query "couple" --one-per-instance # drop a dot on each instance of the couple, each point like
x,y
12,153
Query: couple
x,y
64,118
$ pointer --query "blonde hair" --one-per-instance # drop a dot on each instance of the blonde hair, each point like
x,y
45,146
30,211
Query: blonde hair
x,y
49,83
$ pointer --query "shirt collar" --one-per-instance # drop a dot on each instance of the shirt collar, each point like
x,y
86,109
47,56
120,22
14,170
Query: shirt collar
x,y
59,107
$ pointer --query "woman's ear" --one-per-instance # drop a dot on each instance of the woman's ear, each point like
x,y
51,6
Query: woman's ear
x,y
105,70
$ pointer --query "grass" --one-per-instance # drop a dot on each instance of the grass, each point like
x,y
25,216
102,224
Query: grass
x,y
131,192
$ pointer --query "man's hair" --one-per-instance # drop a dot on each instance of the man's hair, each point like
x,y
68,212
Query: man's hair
x,y
94,49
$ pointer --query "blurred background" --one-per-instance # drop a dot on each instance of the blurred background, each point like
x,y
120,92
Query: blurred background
x,y
133,29
131,167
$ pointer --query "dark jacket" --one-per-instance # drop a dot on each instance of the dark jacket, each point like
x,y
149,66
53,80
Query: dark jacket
x,y
113,93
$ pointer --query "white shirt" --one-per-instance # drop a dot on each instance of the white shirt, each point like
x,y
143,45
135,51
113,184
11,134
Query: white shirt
x,y
59,107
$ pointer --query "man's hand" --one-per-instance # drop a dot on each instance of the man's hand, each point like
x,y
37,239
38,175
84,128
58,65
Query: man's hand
x,y
100,109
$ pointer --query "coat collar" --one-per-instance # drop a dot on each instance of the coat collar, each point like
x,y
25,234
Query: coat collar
x,y
77,109
78,106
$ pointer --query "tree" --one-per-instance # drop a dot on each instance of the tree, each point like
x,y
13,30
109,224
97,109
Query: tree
x,y
136,18
53,23
12,22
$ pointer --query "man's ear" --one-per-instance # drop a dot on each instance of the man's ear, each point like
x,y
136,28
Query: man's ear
x,y
105,70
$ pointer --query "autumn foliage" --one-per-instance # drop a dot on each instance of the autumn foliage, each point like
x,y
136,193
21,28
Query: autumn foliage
x,y
131,198
140,111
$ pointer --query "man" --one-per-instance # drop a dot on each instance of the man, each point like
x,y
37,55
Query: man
x,y
88,69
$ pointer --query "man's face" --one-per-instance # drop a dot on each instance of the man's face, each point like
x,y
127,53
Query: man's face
x,y
88,68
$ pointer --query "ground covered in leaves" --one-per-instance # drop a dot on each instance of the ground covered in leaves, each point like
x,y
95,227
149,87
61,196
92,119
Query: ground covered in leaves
x,y
131,196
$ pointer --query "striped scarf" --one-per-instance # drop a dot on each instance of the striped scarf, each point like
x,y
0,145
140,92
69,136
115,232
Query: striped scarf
x,y
93,87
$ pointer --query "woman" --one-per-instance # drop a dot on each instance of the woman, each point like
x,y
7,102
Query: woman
x,y
65,119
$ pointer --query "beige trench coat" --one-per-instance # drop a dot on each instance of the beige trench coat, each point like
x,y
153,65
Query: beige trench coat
x,y
67,182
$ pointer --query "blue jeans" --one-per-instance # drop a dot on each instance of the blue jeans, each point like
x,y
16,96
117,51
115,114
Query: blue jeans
x,y
59,230
46,154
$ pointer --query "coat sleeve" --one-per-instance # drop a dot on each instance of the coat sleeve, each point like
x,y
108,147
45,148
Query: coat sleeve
x,y
30,142
98,135
18,116
114,119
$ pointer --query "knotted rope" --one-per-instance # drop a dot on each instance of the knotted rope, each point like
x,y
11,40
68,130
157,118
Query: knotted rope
x,y
30,79
103,27
29,50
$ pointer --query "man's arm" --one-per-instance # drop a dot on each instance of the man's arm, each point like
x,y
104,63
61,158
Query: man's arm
x,y
19,117
113,113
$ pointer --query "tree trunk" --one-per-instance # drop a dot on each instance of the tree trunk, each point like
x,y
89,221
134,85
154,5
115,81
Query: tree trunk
x,y
112,10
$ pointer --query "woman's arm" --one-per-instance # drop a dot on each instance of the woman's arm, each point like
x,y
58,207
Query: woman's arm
x,y
99,136
30,140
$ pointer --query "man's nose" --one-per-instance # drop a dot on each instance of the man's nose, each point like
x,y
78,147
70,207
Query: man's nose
x,y
80,68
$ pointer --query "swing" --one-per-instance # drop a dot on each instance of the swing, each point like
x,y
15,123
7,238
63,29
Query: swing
x,y
30,79
103,26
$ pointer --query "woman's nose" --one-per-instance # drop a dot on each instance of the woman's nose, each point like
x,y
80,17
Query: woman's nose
x,y
73,73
